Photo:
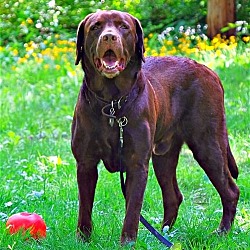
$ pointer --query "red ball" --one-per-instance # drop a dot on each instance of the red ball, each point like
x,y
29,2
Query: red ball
x,y
27,222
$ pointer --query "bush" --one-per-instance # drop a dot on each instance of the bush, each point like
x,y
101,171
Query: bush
x,y
24,21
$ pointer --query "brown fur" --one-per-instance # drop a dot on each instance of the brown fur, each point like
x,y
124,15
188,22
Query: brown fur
x,y
168,101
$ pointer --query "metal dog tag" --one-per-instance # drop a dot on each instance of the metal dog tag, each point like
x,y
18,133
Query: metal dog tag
x,y
111,122
112,113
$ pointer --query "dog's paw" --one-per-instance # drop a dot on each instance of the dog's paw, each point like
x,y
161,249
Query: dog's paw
x,y
220,231
83,237
128,245
128,242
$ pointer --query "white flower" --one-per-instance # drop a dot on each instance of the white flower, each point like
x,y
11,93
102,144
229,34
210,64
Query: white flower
x,y
52,3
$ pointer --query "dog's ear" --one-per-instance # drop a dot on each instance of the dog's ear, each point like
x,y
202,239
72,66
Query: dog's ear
x,y
80,40
140,49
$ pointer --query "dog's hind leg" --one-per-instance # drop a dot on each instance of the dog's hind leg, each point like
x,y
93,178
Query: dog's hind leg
x,y
232,164
165,171
211,152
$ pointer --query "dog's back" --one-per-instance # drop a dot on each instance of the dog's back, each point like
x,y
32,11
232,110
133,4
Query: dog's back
x,y
194,94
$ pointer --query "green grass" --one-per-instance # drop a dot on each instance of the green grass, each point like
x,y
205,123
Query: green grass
x,y
37,169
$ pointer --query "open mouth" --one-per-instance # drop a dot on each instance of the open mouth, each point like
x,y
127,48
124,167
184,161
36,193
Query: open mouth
x,y
110,65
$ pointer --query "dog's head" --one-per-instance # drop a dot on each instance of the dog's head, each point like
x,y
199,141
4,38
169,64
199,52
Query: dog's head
x,y
109,40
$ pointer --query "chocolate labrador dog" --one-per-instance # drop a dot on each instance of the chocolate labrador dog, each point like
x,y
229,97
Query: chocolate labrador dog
x,y
130,109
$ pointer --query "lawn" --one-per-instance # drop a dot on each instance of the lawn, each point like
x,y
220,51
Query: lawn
x,y
39,89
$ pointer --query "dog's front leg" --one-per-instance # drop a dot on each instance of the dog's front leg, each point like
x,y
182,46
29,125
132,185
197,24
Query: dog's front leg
x,y
87,176
136,180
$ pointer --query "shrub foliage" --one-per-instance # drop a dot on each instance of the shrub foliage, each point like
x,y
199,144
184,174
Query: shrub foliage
x,y
24,21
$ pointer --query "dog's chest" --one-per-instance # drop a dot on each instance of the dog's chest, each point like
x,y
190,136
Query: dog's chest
x,y
107,146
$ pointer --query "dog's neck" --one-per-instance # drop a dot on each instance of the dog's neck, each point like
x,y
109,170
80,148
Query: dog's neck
x,y
114,88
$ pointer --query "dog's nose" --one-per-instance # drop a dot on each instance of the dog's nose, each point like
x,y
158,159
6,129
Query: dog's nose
x,y
109,37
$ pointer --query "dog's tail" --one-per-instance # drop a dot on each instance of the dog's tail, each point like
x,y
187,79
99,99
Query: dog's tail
x,y
232,164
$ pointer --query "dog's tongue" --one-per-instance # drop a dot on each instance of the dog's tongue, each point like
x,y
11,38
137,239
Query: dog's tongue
x,y
110,58
109,63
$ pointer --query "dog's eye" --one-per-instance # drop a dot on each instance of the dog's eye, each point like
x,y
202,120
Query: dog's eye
x,y
96,26
124,26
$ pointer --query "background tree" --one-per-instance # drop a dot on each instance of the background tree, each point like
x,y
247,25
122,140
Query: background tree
x,y
219,14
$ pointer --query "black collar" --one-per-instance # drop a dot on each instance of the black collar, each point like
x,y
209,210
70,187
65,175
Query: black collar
x,y
113,109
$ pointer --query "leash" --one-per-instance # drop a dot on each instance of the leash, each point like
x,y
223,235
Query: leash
x,y
122,122
109,111
150,228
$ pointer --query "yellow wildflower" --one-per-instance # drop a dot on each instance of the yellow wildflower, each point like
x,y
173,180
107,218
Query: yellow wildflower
x,y
55,160
163,51
246,39
215,40
46,66
218,52
232,46
209,48
29,21
232,39
58,67
168,42
222,46
202,46
38,59
71,74
172,52
22,60
209,64
192,51
15,52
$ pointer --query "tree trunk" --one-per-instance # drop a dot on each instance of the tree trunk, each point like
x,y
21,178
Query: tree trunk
x,y
219,14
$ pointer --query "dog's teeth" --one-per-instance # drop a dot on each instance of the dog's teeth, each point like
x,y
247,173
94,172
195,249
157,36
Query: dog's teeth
x,y
110,67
